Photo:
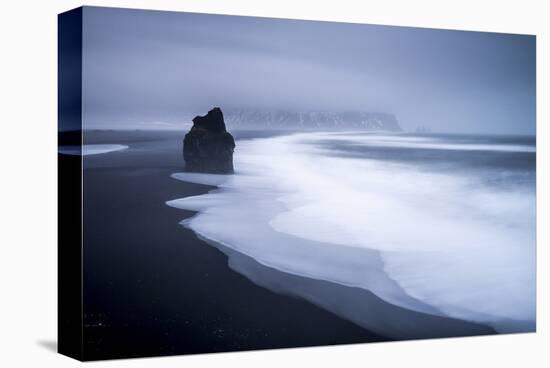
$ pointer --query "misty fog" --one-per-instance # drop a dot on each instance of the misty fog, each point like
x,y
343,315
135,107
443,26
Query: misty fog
x,y
151,69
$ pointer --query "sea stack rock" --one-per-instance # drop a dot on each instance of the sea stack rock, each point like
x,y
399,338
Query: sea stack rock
x,y
208,147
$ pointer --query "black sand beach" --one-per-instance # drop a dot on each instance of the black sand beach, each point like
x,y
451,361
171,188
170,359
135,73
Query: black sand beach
x,y
151,287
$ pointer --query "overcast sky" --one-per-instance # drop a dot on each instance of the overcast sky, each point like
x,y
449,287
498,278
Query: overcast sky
x,y
150,68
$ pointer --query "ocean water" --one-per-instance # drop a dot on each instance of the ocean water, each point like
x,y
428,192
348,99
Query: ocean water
x,y
438,224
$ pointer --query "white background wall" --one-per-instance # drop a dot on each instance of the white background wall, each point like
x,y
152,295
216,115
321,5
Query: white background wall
x,y
28,227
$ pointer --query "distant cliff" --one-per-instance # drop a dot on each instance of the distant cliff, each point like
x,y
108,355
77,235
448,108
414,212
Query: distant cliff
x,y
310,120
208,147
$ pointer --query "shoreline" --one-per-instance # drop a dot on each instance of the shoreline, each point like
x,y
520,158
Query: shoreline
x,y
388,320
287,208
156,280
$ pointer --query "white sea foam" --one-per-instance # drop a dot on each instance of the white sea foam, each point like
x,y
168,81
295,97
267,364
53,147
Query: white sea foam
x,y
395,140
91,149
450,245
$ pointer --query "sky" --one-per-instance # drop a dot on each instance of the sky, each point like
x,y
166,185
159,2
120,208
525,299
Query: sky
x,y
147,69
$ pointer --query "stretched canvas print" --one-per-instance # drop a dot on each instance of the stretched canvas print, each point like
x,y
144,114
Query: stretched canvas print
x,y
234,183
